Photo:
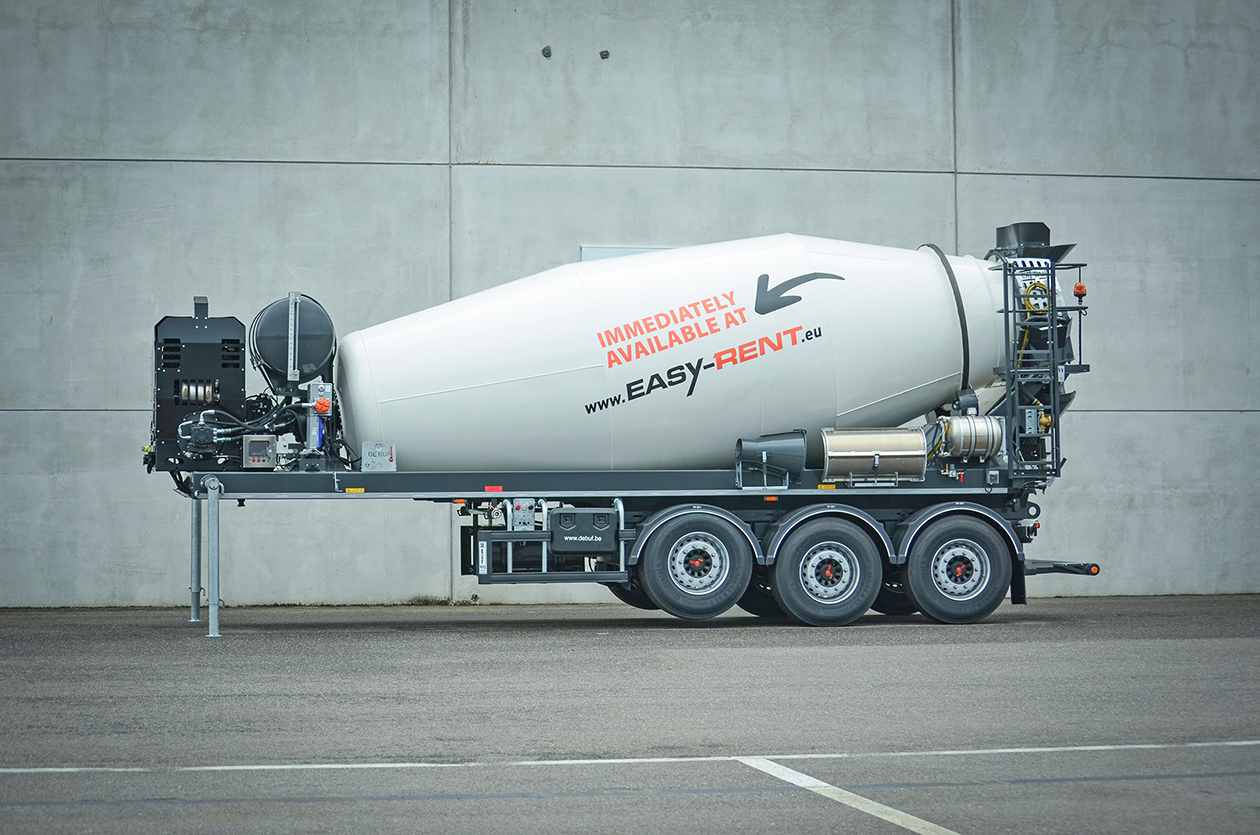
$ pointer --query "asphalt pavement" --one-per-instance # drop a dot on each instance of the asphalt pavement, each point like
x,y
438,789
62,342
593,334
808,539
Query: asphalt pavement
x,y
1063,716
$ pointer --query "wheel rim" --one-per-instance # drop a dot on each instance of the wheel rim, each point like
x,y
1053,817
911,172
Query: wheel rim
x,y
960,569
829,572
699,563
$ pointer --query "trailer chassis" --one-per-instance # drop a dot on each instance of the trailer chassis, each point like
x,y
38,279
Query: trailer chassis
x,y
642,501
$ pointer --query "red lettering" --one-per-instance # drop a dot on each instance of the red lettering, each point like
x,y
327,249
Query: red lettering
x,y
794,331
775,344
675,316
748,351
725,357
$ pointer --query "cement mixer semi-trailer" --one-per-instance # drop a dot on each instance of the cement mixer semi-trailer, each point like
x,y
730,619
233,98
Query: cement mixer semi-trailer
x,y
793,425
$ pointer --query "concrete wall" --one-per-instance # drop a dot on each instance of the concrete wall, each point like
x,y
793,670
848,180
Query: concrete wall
x,y
387,156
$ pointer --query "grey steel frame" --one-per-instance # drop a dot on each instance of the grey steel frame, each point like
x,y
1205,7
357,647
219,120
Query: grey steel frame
x,y
194,582
680,485
214,491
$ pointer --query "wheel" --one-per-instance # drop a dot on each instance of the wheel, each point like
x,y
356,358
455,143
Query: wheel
x,y
696,566
828,573
759,599
958,570
632,594
892,598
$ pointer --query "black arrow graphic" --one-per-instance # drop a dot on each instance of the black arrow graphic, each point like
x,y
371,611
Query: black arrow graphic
x,y
770,300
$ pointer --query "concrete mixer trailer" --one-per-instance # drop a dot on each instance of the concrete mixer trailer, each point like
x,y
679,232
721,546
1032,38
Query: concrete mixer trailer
x,y
794,425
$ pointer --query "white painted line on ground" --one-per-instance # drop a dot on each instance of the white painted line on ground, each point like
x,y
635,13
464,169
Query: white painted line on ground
x,y
181,769
1049,749
174,769
856,801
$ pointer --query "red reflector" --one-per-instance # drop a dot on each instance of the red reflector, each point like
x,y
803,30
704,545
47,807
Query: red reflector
x,y
772,498
493,488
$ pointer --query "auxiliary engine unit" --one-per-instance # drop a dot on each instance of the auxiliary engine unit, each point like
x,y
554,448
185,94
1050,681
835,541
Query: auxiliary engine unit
x,y
202,418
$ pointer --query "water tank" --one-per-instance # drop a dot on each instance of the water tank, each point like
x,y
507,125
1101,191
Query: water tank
x,y
665,359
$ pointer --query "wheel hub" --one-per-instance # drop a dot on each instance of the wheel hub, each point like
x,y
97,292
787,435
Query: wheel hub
x,y
698,563
829,572
960,569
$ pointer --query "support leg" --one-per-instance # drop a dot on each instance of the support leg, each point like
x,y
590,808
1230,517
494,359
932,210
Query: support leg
x,y
213,490
194,583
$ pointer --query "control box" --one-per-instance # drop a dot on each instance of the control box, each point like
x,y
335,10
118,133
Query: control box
x,y
258,452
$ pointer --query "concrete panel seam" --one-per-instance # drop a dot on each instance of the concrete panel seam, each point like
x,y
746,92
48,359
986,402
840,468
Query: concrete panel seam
x,y
1164,411
636,167
960,173
226,161
1067,175
953,106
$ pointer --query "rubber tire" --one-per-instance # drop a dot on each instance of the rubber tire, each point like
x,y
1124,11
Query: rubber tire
x,y
892,598
656,578
633,596
789,585
984,544
759,599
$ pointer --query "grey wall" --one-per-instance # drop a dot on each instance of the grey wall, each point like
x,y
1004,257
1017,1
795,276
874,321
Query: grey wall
x,y
387,156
